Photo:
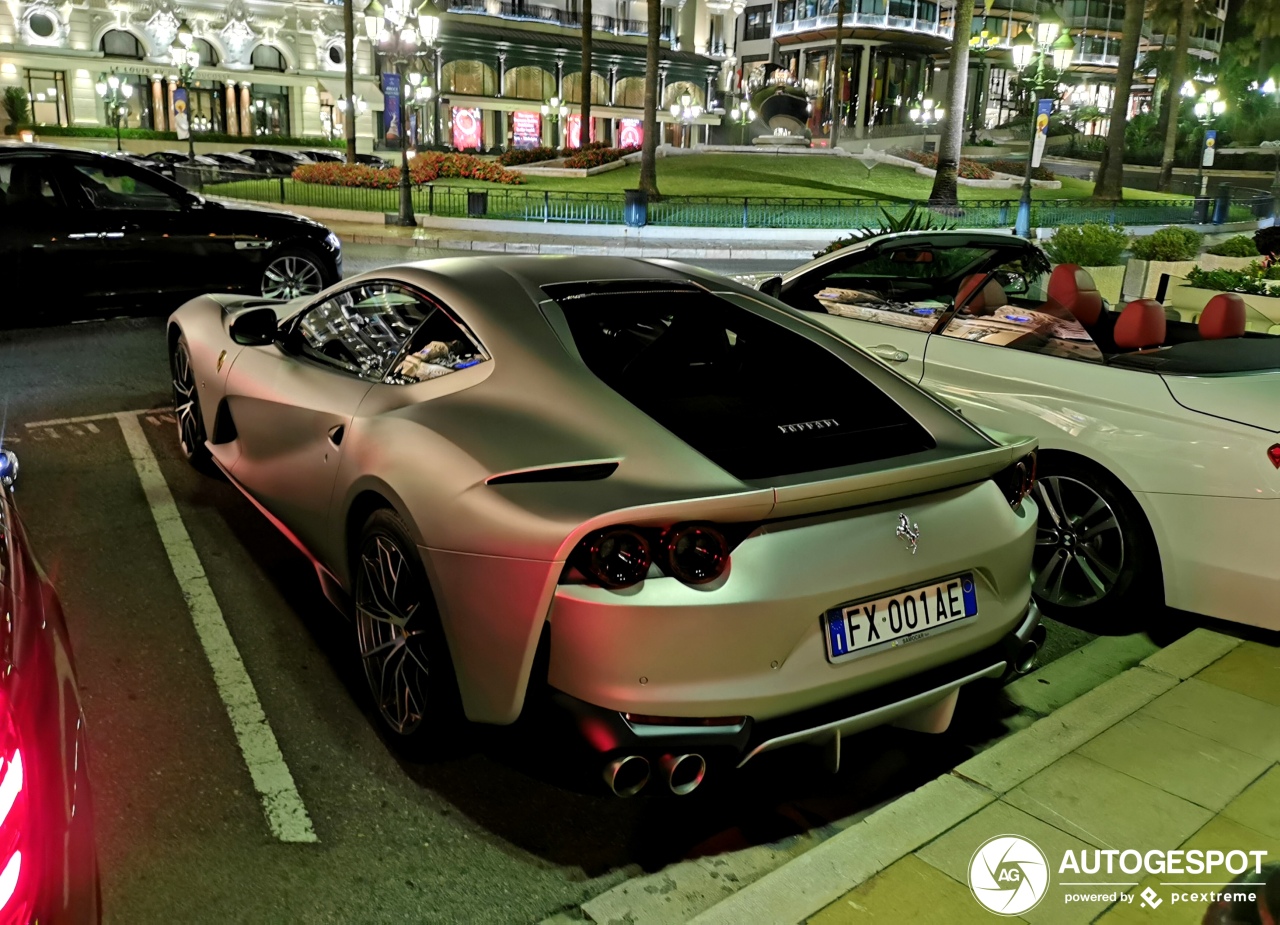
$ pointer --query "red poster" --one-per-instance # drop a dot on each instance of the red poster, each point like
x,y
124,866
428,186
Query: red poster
x,y
468,131
630,133
526,129
575,130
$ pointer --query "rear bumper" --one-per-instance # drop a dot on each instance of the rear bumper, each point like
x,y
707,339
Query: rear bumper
x,y
923,702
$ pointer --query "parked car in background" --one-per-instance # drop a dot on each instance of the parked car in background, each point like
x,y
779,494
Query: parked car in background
x,y
48,862
373,160
1159,464
276,160
326,155
91,229
712,528
228,160
168,161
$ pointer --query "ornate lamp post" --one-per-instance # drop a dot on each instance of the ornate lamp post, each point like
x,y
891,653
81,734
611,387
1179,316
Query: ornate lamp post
x,y
743,115
687,113
553,110
925,115
403,33
980,46
115,96
1207,108
186,59
1051,43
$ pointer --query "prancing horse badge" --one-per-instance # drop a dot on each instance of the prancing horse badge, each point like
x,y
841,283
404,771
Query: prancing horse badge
x,y
909,532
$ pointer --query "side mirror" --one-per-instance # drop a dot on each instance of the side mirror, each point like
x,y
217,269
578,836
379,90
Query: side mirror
x,y
255,328
772,287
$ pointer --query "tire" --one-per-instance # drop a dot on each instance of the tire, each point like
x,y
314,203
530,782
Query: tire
x,y
400,642
1095,562
292,272
186,408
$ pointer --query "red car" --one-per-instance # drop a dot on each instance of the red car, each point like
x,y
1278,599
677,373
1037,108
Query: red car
x,y
48,865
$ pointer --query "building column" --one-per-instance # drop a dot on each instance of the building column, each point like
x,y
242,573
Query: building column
x,y
560,78
662,84
864,91
246,110
613,84
233,123
158,119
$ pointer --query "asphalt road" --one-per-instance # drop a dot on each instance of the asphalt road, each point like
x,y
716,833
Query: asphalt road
x,y
509,828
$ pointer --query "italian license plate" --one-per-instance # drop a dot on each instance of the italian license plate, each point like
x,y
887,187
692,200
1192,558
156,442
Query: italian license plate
x,y
899,618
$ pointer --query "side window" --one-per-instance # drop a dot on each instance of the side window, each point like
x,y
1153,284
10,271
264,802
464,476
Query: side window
x,y
115,186
387,332
989,316
27,183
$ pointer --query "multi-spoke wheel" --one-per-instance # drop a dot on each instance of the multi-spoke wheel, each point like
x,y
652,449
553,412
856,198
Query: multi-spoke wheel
x,y
1094,554
186,406
401,644
291,274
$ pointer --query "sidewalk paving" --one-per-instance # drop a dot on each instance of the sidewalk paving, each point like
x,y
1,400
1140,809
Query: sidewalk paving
x,y
1179,752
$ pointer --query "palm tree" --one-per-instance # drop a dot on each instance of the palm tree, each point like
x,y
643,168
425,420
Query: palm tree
x,y
1111,174
349,78
944,180
1179,17
584,133
649,146
1264,17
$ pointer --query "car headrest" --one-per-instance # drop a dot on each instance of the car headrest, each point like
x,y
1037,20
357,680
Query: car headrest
x,y
1224,316
1141,325
1073,289
986,300
967,285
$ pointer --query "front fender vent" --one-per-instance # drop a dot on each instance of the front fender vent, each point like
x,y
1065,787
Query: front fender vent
x,y
588,472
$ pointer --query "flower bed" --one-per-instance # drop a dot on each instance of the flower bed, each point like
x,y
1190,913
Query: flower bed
x,y
513,157
426,167
1019,169
968,169
595,156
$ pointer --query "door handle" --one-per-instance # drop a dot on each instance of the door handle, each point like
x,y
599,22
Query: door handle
x,y
891,353
336,433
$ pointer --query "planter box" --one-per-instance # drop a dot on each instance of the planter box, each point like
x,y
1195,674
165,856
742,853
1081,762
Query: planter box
x,y
1108,281
1188,302
1214,262
1142,277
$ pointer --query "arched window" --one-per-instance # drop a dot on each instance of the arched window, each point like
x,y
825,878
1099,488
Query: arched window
x,y
120,44
527,82
573,89
208,57
471,77
267,58
629,93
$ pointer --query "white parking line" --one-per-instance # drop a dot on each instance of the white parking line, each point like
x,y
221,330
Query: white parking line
x,y
283,806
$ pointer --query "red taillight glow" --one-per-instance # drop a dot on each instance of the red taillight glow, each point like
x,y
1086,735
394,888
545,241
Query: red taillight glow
x,y
15,877
1273,454
9,879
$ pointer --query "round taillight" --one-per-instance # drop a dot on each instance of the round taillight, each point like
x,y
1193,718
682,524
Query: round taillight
x,y
1273,454
695,553
616,557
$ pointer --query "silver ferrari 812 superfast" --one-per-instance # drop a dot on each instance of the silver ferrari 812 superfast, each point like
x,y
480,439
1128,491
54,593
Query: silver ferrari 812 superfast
x,y
702,525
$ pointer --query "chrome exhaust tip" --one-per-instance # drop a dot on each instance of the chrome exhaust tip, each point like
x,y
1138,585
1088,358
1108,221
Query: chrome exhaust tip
x,y
1025,661
683,772
626,776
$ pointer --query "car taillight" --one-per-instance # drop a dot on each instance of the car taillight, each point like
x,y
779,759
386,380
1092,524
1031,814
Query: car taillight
x,y
694,553
615,558
15,896
1273,454
1017,480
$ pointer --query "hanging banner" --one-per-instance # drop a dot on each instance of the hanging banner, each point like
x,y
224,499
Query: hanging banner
x,y
526,129
468,131
575,130
1043,109
391,114
181,118
1210,141
630,133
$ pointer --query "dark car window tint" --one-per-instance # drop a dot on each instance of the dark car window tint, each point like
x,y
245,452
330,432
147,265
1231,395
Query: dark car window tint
x,y
383,330
26,183
110,186
754,397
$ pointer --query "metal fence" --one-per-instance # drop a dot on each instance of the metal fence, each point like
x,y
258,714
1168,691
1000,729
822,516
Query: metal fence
x,y
519,204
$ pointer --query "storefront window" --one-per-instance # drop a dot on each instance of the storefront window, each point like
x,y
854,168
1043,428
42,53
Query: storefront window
x,y
208,107
139,114
759,23
47,91
787,11
270,110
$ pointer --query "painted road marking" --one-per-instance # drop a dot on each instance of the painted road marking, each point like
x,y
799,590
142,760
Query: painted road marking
x,y
281,802
55,422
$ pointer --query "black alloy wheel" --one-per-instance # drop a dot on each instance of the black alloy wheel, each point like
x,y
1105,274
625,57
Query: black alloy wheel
x,y
1095,558
186,407
292,273
399,637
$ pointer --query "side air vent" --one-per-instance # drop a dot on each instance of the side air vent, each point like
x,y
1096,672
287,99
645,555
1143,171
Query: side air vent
x,y
590,472
224,428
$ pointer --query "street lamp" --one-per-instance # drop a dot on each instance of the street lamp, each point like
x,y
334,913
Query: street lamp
x,y
744,115
553,110
1207,108
687,113
115,95
186,59
925,115
403,32
1053,43
981,45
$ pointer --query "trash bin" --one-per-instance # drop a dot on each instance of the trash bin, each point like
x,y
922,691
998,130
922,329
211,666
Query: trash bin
x,y
1222,205
635,210
477,203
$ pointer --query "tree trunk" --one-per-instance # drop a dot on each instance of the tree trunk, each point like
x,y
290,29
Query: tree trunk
x,y
349,78
1110,186
649,147
952,135
837,89
1173,96
584,132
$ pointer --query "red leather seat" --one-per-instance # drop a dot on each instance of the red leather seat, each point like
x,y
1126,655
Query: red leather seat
x,y
1073,289
1141,325
983,302
1224,316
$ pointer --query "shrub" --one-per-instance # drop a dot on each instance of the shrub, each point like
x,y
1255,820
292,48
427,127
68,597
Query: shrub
x,y
1247,281
424,168
514,156
1019,169
16,106
1239,246
595,156
1168,244
1092,245
914,219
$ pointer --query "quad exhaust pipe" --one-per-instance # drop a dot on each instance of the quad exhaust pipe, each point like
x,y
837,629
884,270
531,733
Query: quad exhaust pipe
x,y
1025,660
627,775
683,772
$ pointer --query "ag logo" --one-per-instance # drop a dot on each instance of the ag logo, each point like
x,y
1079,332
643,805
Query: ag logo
x,y
1008,874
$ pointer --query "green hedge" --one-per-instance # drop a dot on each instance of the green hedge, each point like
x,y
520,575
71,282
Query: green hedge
x,y
147,134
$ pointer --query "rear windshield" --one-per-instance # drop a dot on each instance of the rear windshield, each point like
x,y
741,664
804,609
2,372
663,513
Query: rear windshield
x,y
757,399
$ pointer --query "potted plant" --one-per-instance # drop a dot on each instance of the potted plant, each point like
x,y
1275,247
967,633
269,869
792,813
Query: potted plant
x,y
1170,250
1234,253
1258,284
17,109
1097,248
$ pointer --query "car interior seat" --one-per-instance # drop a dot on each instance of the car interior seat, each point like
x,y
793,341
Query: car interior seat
x,y
985,300
1224,316
1141,326
1073,289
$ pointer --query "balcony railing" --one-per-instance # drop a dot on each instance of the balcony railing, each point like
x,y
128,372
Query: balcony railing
x,y
857,20
551,15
